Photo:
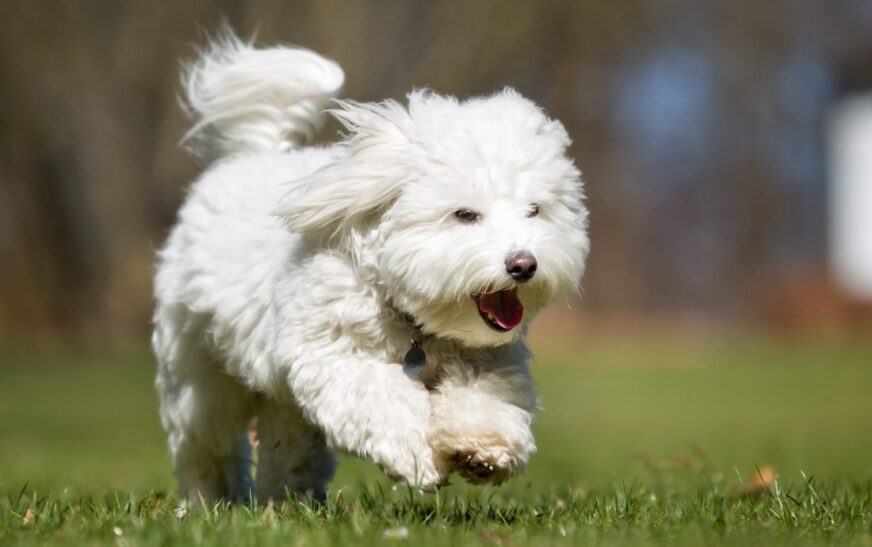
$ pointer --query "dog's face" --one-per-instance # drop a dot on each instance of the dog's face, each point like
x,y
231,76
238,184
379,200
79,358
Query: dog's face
x,y
484,223
492,227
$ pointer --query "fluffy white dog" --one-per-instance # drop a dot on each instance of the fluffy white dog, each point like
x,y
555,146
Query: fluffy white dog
x,y
370,296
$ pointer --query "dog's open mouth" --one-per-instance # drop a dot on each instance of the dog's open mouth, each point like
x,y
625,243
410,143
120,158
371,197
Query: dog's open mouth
x,y
501,310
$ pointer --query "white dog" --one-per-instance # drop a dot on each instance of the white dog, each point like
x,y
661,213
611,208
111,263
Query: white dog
x,y
370,296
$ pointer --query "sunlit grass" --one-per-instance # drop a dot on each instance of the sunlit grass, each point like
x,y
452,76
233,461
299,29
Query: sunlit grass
x,y
638,442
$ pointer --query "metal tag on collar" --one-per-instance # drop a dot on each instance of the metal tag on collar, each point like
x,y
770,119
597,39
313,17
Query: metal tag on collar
x,y
414,361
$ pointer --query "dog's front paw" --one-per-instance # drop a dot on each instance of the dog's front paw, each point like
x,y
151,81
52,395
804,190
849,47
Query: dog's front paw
x,y
484,439
484,466
420,468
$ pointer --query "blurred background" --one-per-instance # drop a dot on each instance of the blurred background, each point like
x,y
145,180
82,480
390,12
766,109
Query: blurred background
x,y
726,149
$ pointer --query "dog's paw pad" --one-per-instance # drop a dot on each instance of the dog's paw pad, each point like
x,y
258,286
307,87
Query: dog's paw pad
x,y
479,470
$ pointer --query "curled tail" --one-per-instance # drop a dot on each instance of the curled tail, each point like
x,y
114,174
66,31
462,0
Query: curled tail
x,y
244,99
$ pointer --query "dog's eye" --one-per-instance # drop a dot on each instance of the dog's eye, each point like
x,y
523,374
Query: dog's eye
x,y
467,216
533,210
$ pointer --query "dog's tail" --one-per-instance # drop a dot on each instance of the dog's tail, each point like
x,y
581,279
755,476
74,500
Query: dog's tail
x,y
243,99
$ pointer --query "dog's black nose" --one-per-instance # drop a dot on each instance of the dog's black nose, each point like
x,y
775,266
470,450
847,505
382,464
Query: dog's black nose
x,y
521,265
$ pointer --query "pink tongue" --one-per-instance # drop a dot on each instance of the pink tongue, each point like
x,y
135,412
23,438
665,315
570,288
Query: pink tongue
x,y
504,306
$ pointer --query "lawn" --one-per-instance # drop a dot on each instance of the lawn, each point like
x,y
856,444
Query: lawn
x,y
657,441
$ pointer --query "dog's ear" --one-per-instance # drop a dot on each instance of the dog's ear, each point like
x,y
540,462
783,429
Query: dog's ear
x,y
366,178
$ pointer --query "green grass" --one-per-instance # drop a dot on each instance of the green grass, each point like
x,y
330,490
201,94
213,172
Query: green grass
x,y
639,442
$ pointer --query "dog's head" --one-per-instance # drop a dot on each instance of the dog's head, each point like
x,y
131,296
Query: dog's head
x,y
469,213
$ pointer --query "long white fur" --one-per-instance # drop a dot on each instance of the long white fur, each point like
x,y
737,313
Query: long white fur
x,y
283,290
235,109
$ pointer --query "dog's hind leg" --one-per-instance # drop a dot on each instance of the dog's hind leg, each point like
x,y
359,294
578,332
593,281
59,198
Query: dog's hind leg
x,y
293,457
206,414
207,423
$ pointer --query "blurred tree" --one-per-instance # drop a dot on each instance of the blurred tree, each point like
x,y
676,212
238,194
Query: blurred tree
x,y
698,127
